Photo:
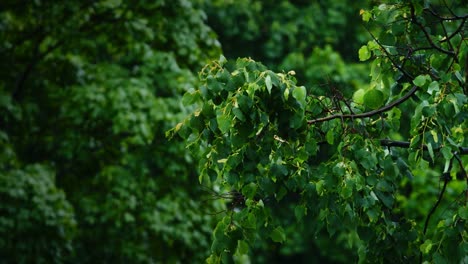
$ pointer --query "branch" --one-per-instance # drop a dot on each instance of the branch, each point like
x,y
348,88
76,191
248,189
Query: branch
x,y
366,114
460,27
27,71
428,37
441,195
406,144
454,17
389,56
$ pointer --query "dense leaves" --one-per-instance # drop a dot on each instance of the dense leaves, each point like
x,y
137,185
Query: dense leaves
x,y
342,162
340,137
87,90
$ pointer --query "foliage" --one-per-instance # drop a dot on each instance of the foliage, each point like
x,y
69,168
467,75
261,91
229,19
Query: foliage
x,y
87,90
359,164
36,222
375,174
313,38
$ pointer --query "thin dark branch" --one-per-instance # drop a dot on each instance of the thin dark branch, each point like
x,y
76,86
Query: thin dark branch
x,y
454,17
428,37
399,144
446,178
441,195
389,56
367,114
406,144
455,32
27,71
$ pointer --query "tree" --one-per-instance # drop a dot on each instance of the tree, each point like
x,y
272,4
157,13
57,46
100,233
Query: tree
x,y
382,174
87,91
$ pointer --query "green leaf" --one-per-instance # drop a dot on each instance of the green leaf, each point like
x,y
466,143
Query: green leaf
x,y
358,96
224,123
364,53
330,136
373,215
421,80
250,221
366,15
286,93
222,60
319,186
431,151
386,198
249,190
426,246
268,83
433,87
300,211
190,97
446,152
242,247
300,94
373,99
213,259
238,113
463,212
278,235
222,161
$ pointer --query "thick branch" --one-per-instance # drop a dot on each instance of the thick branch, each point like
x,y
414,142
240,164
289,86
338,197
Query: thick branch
x,y
366,114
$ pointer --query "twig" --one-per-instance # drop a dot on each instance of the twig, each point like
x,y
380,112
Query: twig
x,y
428,37
406,144
441,195
446,178
367,114
389,56
453,18
455,32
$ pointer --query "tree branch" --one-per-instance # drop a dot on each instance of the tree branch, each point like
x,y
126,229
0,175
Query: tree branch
x,y
454,17
428,37
406,144
29,68
441,195
460,27
366,114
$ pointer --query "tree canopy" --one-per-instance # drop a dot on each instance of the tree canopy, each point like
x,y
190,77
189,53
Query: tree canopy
x,y
374,173
233,131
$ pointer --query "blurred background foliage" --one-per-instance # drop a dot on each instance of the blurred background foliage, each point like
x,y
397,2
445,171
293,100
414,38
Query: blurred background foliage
x,y
317,39
88,90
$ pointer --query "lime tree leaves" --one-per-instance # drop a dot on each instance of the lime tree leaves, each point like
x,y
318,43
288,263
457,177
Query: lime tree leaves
x,y
364,170
373,99
251,118
252,126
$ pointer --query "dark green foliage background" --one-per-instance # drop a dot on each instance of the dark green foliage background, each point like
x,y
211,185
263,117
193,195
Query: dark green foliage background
x,y
90,89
